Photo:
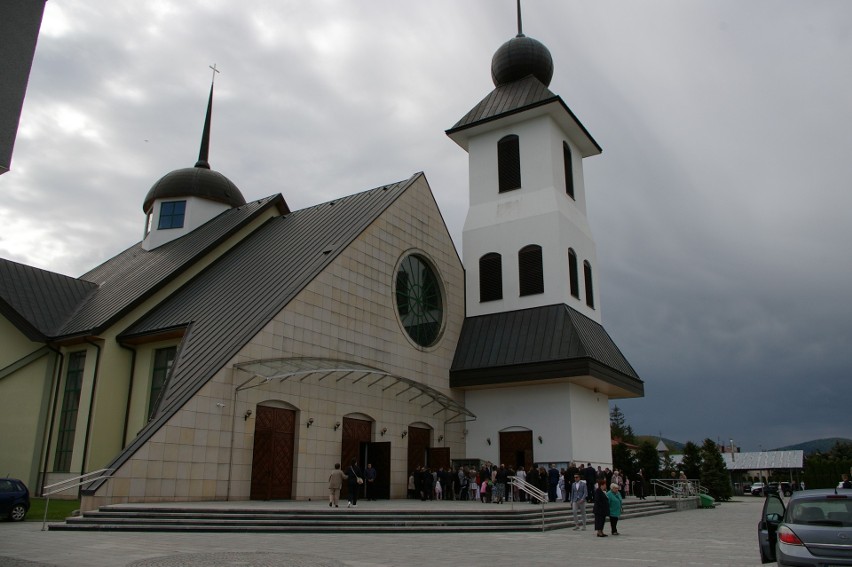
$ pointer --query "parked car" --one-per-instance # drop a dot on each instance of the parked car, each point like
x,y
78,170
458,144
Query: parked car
x,y
746,488
757,488
785,488
813,529
14,499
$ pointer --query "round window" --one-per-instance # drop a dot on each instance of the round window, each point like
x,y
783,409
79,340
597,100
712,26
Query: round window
x,y
419,301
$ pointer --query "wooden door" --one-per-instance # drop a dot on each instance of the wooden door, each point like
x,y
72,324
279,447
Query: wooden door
x,y
356,434
272,456
439,457
516,449
418,445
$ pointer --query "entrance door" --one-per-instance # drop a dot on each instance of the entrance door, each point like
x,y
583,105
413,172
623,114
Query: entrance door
x,y
439,457
356,432
379,455
418,444
516,449
272,457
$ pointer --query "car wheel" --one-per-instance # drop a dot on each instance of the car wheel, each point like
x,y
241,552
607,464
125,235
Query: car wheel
x,y
18,512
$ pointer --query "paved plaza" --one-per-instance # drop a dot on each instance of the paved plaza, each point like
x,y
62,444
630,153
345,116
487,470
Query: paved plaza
x,y
725,535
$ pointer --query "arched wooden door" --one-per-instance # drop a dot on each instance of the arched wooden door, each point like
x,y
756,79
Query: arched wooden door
x,y
356,434
516,449
418,447
272,457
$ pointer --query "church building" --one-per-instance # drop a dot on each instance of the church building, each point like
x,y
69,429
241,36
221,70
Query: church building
x,y
240,349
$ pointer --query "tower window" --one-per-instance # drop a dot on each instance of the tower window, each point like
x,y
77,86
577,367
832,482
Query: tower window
x,y
569,169
590,294
573,277
490,277
509,163
530,270
171,214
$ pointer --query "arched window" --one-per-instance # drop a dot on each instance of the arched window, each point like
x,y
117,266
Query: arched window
x,y
509,163
590,294
490,277
530,270
573,276
569,169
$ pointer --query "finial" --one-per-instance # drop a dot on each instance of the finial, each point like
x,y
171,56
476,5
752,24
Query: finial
x,y
205,135
520,23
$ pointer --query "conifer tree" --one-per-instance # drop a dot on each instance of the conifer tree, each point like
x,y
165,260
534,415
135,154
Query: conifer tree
x,y
691,463
714,475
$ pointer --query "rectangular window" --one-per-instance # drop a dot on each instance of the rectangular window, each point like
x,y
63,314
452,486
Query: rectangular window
x,y
70,407
163,360
171,214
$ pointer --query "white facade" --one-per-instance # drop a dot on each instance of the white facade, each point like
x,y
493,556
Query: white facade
x,y
198,211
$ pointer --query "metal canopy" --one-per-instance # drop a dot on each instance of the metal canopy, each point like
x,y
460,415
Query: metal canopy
x,y
281,369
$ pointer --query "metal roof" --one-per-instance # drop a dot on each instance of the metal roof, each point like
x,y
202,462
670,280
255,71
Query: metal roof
x,y
520,96
263,371
764,460
37,301
553,341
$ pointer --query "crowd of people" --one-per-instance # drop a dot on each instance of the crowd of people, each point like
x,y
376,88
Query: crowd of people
x,y
605,489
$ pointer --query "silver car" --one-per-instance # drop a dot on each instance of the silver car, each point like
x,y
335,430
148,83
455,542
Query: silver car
x,y
813,529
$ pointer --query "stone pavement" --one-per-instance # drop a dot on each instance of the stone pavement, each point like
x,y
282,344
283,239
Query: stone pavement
x,y
723,536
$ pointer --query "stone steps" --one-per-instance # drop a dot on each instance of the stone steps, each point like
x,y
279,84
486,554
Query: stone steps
x,y
232,517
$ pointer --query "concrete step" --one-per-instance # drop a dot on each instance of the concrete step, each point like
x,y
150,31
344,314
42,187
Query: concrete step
x,y
232,517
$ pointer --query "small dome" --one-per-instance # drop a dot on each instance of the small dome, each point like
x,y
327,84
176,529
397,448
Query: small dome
x,y
519,57
196,181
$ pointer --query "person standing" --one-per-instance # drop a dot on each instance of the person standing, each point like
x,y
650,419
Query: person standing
x,y
500,484
639,487
552,482
577,496
335,483
614,497
353,475
600,507
518,494
370,480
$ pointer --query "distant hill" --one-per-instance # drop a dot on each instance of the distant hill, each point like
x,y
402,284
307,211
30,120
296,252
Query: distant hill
x,y
817,445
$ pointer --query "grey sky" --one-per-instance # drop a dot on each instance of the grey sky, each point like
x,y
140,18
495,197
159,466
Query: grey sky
x,y
720,204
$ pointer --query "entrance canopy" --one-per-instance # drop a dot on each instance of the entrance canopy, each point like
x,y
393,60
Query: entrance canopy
x,y
281,369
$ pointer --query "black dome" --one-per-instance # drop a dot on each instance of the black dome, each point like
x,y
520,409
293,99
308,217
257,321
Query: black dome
x,y
519,57
196,181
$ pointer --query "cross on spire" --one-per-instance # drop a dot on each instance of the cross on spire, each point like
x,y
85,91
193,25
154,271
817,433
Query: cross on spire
x,y
215,70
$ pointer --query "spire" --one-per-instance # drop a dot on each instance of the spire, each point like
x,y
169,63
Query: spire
x,y
205,135
520,23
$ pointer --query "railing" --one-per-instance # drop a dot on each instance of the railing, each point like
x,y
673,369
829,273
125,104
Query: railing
x,y
677,488
531,491
64,485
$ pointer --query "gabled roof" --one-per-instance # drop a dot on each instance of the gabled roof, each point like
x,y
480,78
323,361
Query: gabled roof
x,y
541,343
37,301
520,96
229,302
764,460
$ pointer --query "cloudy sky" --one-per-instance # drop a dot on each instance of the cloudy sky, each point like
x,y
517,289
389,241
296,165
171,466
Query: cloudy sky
x,y
721,203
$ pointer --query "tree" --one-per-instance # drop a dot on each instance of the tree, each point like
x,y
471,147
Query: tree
x,y
623,460
618,427
714,474
691,463
648,460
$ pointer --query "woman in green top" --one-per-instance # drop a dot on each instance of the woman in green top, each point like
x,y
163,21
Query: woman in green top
x,y
614,496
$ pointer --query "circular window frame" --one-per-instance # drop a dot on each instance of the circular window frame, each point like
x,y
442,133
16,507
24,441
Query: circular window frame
x,y
424,259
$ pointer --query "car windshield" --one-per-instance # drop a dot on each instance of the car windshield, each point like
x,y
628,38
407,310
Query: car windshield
x,y
823,512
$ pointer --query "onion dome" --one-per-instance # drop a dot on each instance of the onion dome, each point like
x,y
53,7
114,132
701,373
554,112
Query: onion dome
x,y
519,57
199,181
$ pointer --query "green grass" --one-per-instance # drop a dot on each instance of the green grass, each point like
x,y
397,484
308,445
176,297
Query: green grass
x,y
57,510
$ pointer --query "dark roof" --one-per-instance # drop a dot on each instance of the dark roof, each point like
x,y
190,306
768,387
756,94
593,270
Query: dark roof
x,y
519,57
541,343
228,303
198,181
37,301
520,96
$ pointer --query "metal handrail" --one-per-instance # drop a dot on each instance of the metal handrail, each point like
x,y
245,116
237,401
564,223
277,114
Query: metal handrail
x,y
678,488
74,482
531,491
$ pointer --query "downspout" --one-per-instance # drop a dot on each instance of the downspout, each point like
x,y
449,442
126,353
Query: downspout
x,y
91,413
46,449
129,394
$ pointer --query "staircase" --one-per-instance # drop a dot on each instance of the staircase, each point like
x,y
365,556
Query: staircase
x,y
234,517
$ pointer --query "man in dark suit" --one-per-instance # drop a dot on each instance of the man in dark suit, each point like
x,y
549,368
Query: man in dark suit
x,y
552,482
